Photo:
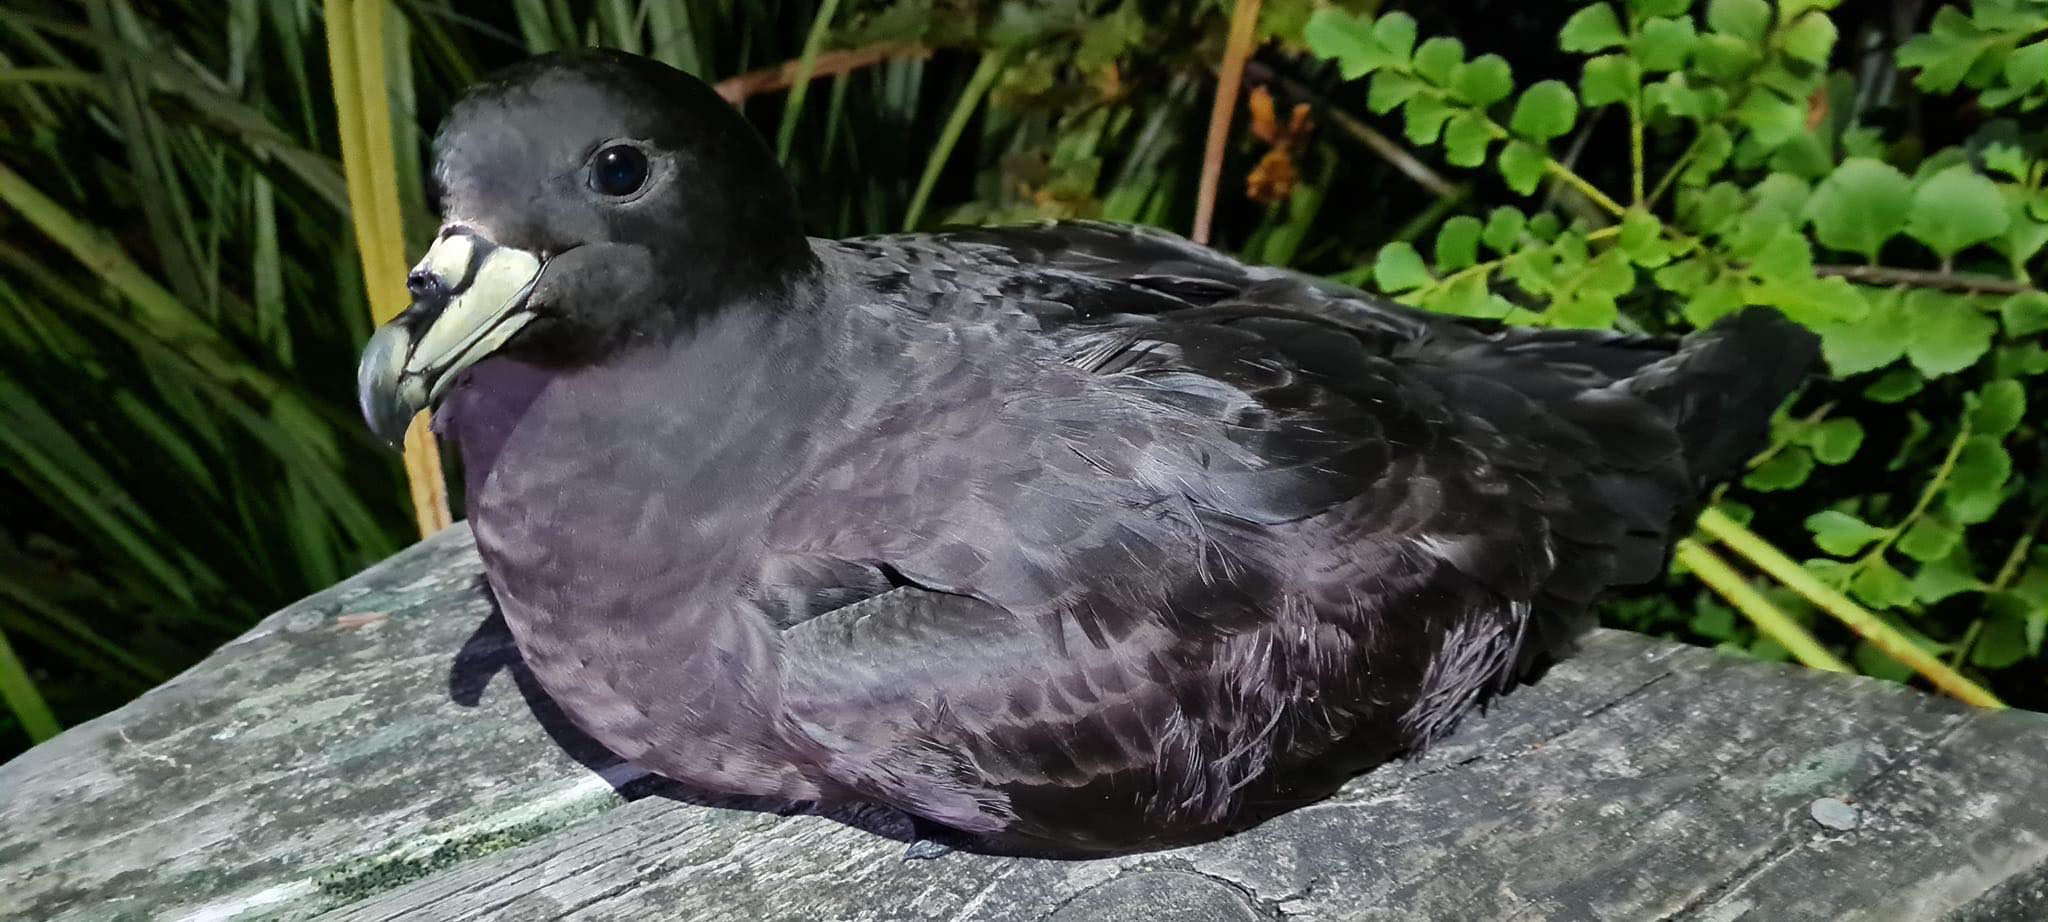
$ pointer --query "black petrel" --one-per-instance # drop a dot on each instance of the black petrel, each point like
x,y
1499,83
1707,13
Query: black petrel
x,y
1191,541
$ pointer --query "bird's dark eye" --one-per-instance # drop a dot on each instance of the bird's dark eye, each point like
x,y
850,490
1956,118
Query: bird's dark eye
x,y
618,170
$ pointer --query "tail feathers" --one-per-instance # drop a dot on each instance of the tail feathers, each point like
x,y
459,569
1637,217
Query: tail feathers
x,y
1722,385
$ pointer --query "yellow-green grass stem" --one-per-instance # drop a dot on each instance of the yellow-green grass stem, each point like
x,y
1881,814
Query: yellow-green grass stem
x,y
1770,620
1884,637
355,55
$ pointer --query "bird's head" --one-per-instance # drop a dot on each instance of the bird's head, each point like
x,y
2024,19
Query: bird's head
x,y
591,201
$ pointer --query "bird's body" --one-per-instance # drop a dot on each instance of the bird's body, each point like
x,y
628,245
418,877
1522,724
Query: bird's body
x,y
1189,580
1194,541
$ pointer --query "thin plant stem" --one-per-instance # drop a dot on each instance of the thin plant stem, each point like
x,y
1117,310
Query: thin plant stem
x,y
985,74
1925,278
1920,506
1565,175
1236,50
2017,558
789,74
800,82
1770,620
1884,637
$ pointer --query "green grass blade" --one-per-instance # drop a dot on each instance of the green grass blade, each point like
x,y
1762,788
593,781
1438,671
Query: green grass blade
x,y
985,74
23,698
799,88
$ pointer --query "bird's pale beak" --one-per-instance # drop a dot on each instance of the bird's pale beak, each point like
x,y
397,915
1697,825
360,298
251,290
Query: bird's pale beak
x,y
469,297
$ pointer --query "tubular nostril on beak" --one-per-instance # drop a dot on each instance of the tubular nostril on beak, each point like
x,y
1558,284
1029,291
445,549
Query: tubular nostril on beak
x,y
425,285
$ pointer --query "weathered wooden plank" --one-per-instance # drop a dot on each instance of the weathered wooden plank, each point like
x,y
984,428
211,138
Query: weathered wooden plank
x,y
1635,782
276,773
322,764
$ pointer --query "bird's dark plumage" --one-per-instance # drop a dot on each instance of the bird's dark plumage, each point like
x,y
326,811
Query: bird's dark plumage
x,y
1198,539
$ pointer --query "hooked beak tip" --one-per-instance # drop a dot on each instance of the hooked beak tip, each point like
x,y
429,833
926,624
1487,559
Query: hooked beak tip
x,y
470,299
384,392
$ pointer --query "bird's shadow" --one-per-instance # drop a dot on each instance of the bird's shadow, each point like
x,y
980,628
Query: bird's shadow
x,y
490,650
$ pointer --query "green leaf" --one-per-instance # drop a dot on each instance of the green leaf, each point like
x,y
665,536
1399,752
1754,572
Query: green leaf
x,y
1483,81
2022,360
1465,297
2027,66
1947,333
1713,301
1457,244
1790,9
1976,488
1396,33
1807,155
1592,28
1685,277
1642,238
1859,206
1955,208
1877,340
1725,57
1609,276
1391,89
1438,59
1349,40
1400,268
1784,258
1503,229
1782,195
1715,146
1521,165
1743,19
1675,98
2006,159
1712,210
1939,579
1714,622
1664,44
1881,585
2025,313
1835,441
2001,643
1771,119
1583,311
1661,7
1896,385
1608,79
1997,408
1812,302
1785,470
1546,110
1466,138
1932,537
1840,533
2024,236
1426,116
1810,39
1863,141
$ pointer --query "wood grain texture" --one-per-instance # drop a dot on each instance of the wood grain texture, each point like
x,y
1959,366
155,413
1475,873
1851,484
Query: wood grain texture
x,y
326,765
